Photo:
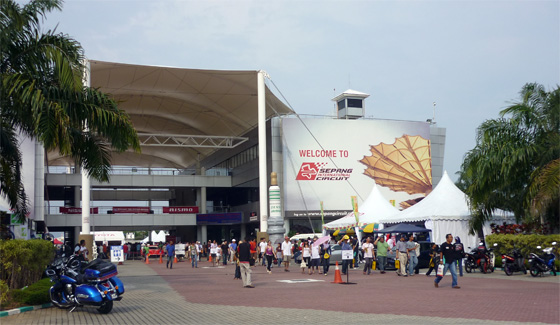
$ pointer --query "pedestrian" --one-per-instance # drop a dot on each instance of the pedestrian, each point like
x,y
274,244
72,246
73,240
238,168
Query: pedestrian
x,y
125,251
315,256
233,250
193,253
411,246
170,249
382,248
392,241
460,252
224,251
306,254
269,255
369,255
262,249
434,258
447,250
286,253
345,246
326,253
82,251
254,253
244,263
402,256
279,254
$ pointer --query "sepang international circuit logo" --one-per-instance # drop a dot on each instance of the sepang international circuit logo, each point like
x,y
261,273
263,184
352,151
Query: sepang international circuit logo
x,y
318,171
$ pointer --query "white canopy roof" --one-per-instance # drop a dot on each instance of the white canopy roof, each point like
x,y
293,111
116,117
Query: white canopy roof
x,y
445,202
374,208
179,102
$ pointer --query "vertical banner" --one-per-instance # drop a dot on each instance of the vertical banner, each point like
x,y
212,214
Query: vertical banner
x,y
355,208
322,214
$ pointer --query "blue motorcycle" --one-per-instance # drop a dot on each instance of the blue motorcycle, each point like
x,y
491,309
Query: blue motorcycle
x,y
78,284
540,265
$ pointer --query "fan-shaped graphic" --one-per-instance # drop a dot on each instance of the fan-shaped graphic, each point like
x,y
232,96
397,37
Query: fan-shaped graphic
x,y
403,166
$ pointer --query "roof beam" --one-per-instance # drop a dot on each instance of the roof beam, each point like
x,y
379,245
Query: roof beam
x,y
190,141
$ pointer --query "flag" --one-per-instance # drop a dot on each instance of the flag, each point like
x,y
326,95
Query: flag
x,y
355,208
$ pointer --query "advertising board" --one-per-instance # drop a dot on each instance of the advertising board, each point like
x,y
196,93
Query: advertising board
x,y
331,160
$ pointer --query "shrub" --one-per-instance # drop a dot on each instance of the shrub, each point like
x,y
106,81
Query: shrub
x,y
35,294
22,262
525,243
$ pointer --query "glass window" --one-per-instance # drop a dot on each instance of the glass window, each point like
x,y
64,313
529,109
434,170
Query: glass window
x,y
341,104
355,102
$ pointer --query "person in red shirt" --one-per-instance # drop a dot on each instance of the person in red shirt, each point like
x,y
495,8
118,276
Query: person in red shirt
x,y
253,247
125,251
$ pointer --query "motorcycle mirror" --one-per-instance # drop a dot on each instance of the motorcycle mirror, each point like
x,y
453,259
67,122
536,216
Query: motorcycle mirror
x,y
538,247
554,243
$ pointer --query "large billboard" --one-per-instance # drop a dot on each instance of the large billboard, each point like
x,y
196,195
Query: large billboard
x,y
332,160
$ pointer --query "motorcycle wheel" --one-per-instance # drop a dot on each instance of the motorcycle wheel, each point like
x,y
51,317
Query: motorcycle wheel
x,y
508,270
468,267
106,307
534,271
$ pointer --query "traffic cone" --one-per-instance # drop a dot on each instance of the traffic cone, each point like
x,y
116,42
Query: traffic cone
x,y
210,258
160,259
337,275
147,259
175,260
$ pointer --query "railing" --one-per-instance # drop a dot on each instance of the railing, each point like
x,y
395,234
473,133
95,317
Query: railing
x,y
145,171
52,210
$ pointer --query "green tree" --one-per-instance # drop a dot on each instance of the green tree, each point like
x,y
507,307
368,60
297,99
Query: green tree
x,y
515,163
42,96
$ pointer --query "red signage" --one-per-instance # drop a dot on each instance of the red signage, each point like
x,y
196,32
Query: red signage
x,y
77,210
175,210
131,209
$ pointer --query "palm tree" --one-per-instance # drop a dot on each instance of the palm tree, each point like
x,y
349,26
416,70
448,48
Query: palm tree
x,y
514,165
42,96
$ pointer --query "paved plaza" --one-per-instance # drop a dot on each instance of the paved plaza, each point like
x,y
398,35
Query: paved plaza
x,y
210,295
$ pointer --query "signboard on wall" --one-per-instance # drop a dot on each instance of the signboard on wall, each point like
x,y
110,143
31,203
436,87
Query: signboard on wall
x,y
335,159
177,210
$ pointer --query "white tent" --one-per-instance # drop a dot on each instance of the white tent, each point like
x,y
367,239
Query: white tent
x,y
107,236
156,237
374,208
445,210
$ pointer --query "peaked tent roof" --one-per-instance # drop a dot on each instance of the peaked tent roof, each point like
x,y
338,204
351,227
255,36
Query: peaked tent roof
x,y
175,101
446,201
374,208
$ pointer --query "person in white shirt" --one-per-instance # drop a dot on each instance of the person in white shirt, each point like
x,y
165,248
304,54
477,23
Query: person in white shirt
x,y
286,253
391,242
262,249
315,257
369,255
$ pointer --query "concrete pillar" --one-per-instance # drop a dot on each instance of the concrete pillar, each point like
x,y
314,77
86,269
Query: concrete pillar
x,y
39,191
263,173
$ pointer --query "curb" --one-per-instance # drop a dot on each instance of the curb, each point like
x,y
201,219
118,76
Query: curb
x,y
23,309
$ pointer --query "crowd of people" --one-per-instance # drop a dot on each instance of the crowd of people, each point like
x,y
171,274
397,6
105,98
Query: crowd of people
x,y
247,253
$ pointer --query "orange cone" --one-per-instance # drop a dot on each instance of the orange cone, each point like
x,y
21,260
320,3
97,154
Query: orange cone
x,y
147,259
175,260
160,259
337,275
210,258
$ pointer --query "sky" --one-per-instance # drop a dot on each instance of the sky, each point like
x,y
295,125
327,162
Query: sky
x,y
470,57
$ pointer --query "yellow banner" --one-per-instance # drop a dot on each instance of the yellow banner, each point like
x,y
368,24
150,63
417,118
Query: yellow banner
x,y
355,207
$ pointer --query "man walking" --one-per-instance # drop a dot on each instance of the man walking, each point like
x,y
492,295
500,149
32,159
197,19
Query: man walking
x,y
286,253
402,256
382,247
262,249
245,266
170,249
447,250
